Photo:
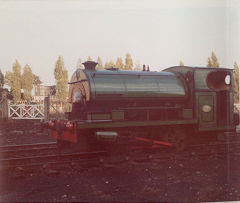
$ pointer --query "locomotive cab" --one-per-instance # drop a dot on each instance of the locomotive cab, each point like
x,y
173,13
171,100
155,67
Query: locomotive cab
x,y
214,97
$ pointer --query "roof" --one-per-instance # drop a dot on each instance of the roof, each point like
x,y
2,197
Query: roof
x,y
198,67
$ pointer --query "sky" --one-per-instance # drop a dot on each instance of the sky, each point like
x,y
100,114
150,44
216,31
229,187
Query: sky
x,y
158,33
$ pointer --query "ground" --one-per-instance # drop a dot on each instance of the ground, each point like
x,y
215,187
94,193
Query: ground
x,y
193,178
22,132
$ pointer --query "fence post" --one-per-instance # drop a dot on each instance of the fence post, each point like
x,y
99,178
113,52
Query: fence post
x,y
3,108
6,104
9,109
46,108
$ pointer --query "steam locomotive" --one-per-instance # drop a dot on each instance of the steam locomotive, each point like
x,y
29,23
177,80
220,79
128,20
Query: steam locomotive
x,y
157,108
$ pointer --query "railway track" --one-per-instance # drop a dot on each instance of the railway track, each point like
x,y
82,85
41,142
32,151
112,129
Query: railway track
x,y
43,160
159,155
46,154
41,154
27,149
27,146
201,151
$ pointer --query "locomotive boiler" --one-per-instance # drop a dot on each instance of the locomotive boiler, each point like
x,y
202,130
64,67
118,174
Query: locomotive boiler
x,y
160,108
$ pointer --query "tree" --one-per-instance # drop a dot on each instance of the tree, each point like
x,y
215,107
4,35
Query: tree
x,y
17,82
138,66
100,65
13,80
1,79
4,93
213,61
79,64
1,85
27,82
61,77
119,63
181,63
109,64
89,58
36,80
209,64
9,78
128,62
236,83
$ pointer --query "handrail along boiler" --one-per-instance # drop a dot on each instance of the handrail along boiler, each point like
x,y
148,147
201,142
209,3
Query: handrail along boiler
x,y
167,108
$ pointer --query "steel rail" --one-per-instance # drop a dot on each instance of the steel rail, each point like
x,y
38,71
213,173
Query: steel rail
x,y
26,146
23,152
53,164
5,163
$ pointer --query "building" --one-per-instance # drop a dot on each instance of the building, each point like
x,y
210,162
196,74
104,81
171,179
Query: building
x,y
42,91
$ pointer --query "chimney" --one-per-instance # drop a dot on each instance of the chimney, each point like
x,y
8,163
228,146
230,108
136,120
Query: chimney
x,y
90,65
144,68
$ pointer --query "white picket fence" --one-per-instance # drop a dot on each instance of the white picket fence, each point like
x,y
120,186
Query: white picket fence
x,y
25,111
238,106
